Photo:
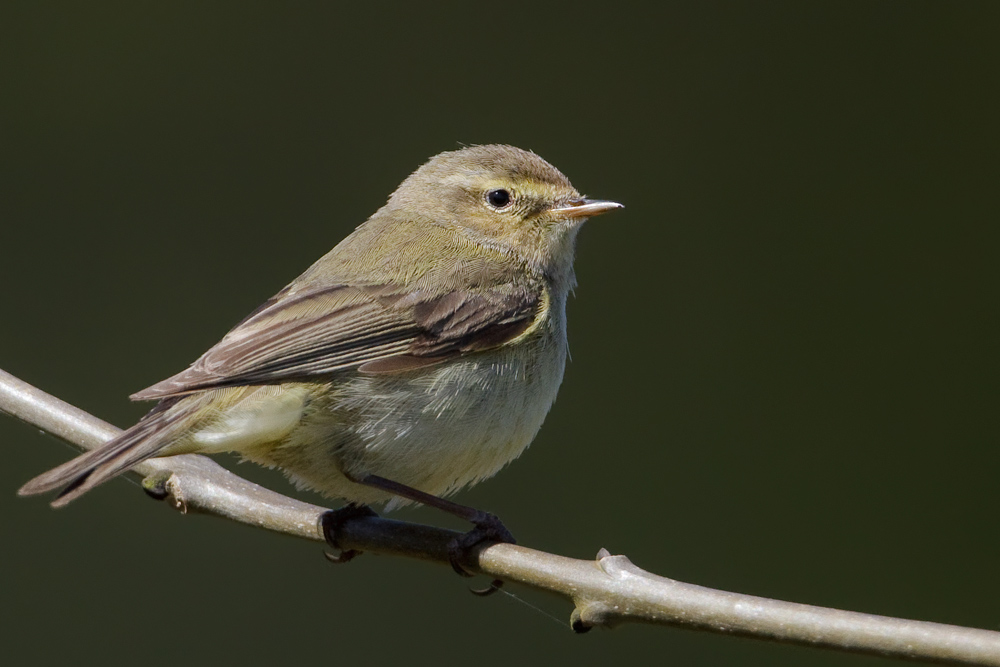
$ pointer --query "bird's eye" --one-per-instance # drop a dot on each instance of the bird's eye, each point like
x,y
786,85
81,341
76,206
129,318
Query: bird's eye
x,y
498,198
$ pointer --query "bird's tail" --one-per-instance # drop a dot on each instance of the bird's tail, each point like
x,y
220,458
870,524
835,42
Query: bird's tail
x,y
144,440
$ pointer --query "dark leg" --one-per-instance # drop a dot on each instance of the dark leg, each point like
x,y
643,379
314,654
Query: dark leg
x,y
331,523
487,526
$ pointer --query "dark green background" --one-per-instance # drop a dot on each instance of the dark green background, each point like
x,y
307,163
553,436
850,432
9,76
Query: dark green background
x,y
784,376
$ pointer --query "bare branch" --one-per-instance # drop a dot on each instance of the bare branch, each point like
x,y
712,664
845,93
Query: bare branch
x,y
606,592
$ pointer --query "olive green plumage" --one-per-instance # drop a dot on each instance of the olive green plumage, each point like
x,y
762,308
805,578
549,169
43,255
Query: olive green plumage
x,y
425,348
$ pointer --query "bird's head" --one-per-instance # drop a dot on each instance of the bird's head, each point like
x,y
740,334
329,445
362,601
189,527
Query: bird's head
x,y
500,196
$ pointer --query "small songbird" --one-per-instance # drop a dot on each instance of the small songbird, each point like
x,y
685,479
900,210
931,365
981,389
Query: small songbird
x,y
417,357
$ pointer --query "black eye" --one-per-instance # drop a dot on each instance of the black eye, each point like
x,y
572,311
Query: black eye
x,y
498,198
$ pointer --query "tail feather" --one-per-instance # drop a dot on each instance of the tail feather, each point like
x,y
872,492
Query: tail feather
x,y
144,440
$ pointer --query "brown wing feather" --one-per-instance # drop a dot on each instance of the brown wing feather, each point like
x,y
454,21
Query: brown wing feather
x,y
385,328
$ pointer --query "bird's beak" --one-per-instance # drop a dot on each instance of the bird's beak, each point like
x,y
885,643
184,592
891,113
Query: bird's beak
x,y
583,208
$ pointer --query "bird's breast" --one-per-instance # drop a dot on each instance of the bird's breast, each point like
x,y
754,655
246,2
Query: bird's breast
x,y
443,427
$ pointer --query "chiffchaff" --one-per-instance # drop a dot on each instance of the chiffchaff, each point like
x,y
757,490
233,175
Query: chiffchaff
x,y
417,357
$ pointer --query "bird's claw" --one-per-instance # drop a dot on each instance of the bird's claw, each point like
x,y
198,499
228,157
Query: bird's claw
x,y
332,522
488,529
344,556
494,586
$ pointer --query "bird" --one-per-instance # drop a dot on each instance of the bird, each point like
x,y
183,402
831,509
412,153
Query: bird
x,y
417,357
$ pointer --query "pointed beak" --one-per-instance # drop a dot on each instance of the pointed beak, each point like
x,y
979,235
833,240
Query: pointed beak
x,y
583,208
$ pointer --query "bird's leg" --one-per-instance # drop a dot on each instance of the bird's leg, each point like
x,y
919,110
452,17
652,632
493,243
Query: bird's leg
x,y
331,523
487,526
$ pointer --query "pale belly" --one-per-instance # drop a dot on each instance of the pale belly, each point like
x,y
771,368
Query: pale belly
x,y
436,429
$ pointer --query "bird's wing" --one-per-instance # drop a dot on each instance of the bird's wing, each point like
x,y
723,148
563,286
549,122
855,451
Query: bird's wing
x,y
377,328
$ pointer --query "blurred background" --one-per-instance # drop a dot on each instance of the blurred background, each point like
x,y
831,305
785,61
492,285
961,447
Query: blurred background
x,y
784,372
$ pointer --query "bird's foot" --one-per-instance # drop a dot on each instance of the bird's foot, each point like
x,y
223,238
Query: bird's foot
x,y
332,522
488,529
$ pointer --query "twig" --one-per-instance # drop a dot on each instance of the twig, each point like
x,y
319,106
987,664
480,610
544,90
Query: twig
x,y
606,592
